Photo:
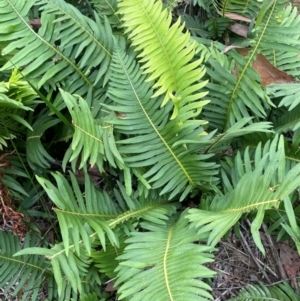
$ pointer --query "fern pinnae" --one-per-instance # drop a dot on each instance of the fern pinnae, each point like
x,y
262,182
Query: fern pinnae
x,y
166,160
176,76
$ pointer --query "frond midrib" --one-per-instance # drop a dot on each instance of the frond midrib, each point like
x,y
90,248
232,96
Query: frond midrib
x,y
165,261
81,27
55,49
249,61
156,130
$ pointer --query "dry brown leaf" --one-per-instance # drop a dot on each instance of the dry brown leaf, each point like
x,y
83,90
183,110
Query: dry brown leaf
x,y
269,74
239,29
234,16
290,261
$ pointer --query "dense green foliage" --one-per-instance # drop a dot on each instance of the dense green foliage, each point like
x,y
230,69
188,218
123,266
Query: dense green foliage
x,y
116,113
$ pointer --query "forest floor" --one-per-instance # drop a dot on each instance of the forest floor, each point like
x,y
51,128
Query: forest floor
x,y
238,263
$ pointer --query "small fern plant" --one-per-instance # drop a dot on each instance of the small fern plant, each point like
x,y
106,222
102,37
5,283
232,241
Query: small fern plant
x,y
164,111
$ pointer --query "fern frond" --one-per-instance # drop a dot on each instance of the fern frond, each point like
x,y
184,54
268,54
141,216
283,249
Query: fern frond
x,y
98,211
73,267
153,140
108,8
28,274
247,9
37,54
254,190
173,272
223,141
284,56
281,292
87,137
93,40
233,96
73,211
217,26
106,260
165,51
289,94
37,156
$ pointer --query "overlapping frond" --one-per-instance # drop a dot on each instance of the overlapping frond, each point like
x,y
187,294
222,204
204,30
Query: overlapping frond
x,y
74,212
280,292
176,168
87,144
37,156
98,210
108,8
173,272
26,275
234,90
258,189
16,98
165,51
74,268
78,37
243,8
280,42
106,260
235,86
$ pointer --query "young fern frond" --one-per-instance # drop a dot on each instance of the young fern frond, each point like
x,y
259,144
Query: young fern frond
x,y
165,51
173,272
176,168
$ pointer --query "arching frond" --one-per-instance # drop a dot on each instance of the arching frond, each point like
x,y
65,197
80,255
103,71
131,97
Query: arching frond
x,y
284,34
37,156
173,272
176,168
165,51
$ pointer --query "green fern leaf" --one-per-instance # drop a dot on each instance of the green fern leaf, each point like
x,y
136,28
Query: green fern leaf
x,y
255,189
98,211
246,9
281,292
37,156
175,166
86,142
38,56
172,272
232,97
165,51
28,274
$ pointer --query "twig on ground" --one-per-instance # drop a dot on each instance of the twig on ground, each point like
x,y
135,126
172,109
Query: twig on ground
x,y
275,254
245,244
